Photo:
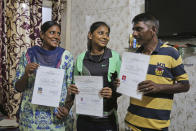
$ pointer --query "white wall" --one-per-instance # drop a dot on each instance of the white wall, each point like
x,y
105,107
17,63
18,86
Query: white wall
x,y
46,14
114,12
46,11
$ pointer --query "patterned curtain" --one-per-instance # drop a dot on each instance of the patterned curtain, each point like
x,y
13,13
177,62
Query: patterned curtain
x,y
22,22
1,21
57,9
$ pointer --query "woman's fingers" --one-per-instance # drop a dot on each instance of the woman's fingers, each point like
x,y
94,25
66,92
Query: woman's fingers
x,y
106,92
62,112
30,68
72,89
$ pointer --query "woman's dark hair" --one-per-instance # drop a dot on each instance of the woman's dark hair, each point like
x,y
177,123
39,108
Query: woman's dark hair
x,y
47,25
93,27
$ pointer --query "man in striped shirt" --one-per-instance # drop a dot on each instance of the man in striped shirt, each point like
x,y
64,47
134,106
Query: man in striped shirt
x,y
165,76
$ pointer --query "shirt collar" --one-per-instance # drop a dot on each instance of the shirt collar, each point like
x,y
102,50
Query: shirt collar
x,y
160,43
107,54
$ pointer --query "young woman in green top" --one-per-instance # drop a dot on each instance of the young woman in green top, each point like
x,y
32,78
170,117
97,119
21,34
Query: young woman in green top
x,y
99,60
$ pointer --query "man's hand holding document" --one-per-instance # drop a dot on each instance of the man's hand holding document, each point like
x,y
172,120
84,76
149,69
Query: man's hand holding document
x,y
133,71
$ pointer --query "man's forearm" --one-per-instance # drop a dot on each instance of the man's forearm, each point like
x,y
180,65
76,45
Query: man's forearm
x,y
175,88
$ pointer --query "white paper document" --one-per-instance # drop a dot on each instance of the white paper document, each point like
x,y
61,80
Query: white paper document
x,y
47,87
133,71
88,101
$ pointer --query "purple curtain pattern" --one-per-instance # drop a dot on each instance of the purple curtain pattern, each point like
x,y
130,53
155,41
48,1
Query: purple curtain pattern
x,y
3,81
1,21
57,9
23,21
20,23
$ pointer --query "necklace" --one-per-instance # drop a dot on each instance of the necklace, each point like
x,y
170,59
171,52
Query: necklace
x,y
100,57
97,58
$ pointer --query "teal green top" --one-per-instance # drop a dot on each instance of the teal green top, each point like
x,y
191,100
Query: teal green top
x,y
114,64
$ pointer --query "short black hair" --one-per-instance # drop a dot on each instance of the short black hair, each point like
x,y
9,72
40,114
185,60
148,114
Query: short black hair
x,y
146,17
49,24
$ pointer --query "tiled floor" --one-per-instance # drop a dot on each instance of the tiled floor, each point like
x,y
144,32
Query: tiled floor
x,y
3,117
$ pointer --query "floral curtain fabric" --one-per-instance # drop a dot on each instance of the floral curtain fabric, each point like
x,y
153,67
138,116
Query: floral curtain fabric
x,y
22,21
3,81
57,9
1,20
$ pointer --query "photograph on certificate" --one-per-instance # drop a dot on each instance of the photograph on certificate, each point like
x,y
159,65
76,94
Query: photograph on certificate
x,y
133,71
47,87
89,101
